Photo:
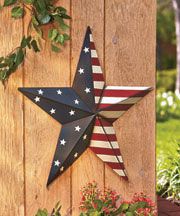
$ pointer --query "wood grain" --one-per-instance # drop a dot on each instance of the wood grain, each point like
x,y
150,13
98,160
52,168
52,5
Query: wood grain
x,y
11,125
46,69
130,60
86,13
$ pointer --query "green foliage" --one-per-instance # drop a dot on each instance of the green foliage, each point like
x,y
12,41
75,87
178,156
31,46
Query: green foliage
x,y
11,62
17,12
165,22
166,80
167,106
168,175
166,35
96,203
42,12
55,212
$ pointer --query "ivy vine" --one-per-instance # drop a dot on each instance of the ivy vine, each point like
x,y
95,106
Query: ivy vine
x,y
41,12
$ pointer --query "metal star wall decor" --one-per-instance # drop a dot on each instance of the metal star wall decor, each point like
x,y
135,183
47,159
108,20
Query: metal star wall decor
x,y
86,111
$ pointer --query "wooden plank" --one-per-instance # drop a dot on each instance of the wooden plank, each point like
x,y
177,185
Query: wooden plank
x,y
130,60
46,69
11,125
86,13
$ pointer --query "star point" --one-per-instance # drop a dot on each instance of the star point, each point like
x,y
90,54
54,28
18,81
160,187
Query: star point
x,y
56,163
62,142
37,99
53,111
40,92
62,169
59,92
86,49
75,155
77,128
85,137
76,102
72,112
81,70
87,90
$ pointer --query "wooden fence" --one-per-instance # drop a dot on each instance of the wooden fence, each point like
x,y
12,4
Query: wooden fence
x,y
124,34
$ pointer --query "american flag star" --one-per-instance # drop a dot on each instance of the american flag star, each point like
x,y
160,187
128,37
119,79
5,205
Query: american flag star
x,y
96,109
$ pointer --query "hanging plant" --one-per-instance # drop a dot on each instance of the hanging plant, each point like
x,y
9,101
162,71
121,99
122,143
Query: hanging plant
x,y
41,12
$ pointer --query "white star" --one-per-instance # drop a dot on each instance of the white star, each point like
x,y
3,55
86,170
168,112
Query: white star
x,y
59,92
52,111
62,142
62,168
85,136
40,92
56,163
87,90
77,128
37,99
81,70
75,155
76,101
86,49
72,112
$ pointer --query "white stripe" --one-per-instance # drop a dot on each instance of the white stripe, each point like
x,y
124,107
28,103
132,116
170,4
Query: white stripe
x,y
96,69
127,87
99,129
91,38
111,114
98,84
117,100
94,54
110,158
104,144
97,99
119,172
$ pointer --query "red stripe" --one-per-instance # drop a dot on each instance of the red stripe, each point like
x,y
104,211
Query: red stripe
x,y
103,137
124,93
98,77
106,151
95,61
115,107
103,122
115,165
98,92
92,46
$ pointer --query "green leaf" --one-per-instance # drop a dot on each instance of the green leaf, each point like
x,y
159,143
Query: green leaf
x,y
44,19
61,22
42,212
19,57
28,1
129,214
3,74
60,10
55,48
52,34
60,39
9,2
65,16
66,37
26,42
35,46
17,12
34,21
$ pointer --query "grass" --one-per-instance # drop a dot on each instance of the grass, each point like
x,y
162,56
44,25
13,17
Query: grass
x,y
167,133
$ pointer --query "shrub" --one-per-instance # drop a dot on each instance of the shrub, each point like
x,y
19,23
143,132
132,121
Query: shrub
x,y
96,203
168,176
166,80
168,105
